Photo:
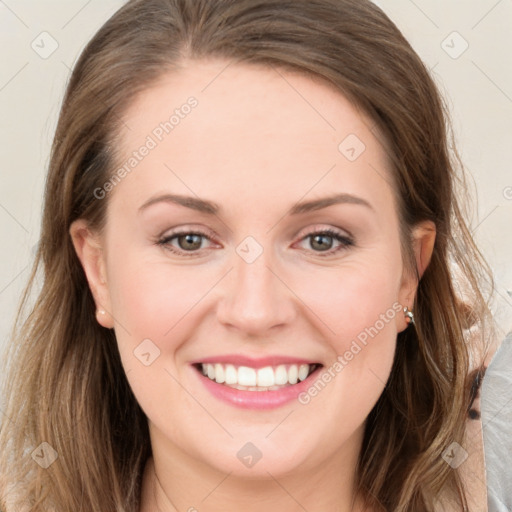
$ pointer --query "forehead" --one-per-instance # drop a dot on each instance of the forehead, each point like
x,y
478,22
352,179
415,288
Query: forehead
x,y
252,132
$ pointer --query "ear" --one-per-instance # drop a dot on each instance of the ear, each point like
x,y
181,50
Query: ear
x,y
90,253
423,238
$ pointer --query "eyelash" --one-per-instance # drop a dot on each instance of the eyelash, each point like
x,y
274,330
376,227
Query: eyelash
x,y
344,240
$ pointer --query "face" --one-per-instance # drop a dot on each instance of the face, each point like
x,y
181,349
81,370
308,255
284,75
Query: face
x,y
251,274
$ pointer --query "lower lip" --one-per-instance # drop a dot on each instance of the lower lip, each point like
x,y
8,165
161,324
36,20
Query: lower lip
x,y
256,399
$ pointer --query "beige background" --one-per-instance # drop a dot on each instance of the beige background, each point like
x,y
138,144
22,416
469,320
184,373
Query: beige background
x,y
477,83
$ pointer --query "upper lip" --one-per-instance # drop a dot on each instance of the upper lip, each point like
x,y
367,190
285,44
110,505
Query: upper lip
x,y
261,362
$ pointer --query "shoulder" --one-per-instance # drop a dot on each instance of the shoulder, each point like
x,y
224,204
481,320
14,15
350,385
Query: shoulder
x,y
497,427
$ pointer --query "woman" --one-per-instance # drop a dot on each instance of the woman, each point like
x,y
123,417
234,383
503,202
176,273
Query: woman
x,y
249,230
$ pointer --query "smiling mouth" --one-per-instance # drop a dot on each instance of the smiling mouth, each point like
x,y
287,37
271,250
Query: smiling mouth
x,y
268,378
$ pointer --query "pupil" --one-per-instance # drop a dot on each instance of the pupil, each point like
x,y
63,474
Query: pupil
x,y
190,238
322,238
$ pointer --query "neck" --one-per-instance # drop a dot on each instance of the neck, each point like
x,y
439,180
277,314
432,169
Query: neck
x,y
179,482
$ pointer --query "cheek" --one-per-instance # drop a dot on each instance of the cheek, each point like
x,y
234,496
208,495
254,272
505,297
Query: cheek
x,y
150,298
153,305
357,309
358,301
159,302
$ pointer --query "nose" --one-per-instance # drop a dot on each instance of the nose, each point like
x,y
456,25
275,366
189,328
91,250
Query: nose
x,y
255,297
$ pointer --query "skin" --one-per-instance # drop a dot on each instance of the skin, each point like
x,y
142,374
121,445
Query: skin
x,y
259,141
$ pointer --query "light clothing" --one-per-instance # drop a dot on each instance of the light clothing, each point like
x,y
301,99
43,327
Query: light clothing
x,y
496,407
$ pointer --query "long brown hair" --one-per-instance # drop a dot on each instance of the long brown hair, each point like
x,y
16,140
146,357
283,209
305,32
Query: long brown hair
x,y
66,385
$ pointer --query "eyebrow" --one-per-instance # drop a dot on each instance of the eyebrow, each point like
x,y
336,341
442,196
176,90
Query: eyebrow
x,y
212,208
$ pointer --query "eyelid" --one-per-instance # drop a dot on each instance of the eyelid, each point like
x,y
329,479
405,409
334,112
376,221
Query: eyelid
x,y
184,230
321,228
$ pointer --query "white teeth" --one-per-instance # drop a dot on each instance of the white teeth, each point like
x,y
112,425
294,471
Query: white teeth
x,y
246,378
219,374
303,371
293,374
281,375
231,374
265,377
